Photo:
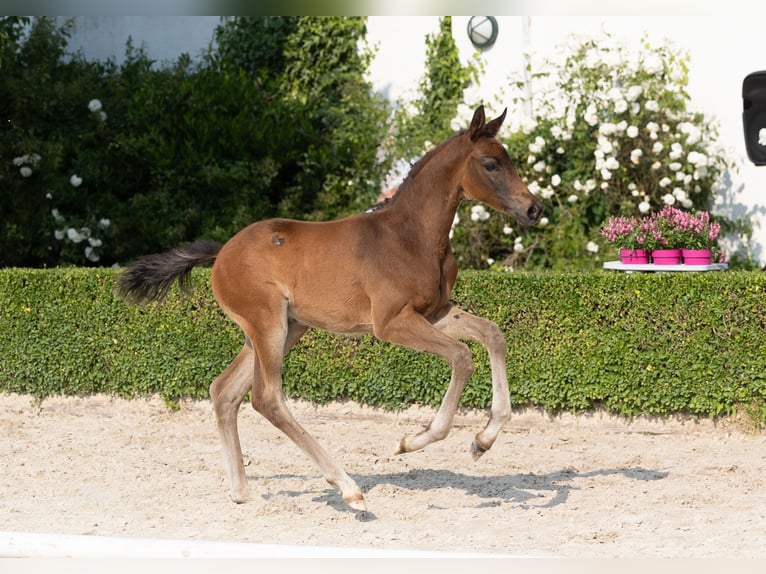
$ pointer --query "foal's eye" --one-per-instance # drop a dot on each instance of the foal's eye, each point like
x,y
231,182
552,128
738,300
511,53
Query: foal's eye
x,y
491,166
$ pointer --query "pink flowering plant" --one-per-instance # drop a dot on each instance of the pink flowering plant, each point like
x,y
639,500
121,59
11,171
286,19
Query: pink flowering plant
x,y
670,228
698,231
624,233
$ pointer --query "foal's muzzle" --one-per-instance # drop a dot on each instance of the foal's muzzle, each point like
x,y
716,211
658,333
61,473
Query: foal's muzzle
x,y
534,212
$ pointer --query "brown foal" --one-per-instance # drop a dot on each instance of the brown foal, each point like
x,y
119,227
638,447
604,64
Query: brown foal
x,y
388,272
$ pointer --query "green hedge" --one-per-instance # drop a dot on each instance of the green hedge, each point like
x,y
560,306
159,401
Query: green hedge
x,y
653,344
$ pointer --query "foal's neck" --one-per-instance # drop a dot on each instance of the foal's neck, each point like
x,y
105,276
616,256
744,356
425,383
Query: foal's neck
x,y
429,197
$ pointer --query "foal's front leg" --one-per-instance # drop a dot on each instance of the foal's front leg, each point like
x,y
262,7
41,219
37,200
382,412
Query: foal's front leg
x,y
413,330
459,324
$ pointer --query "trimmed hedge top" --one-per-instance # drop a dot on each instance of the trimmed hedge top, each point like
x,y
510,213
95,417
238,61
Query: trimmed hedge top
x,y
654,344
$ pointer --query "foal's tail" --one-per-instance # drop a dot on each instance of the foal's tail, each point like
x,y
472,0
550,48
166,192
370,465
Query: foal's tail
x,y
149,278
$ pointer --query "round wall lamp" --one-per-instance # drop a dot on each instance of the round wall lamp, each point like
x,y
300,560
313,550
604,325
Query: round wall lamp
x,y
482,31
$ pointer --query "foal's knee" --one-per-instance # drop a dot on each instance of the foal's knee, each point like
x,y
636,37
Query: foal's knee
x,y
494,339
462,364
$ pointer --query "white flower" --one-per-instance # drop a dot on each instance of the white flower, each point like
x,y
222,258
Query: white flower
x,y
652,127
697,159
556,131
693,133
507,230
104,222
612,163
58,218
102,116
94,105
652,106
479,213
674,166
762,137
539,166
538,145
633,92
644,206
669,199
605,145
75,180
25,171
632,131
518,246
73,235
94,242
665,181
590,115
614,94
18,161
657,147
90,254
635,156
574,199
592,247
656,165
490,261
620,106
652,64
547,193
555,180
676,151
679,194
59,234
607,129
543,222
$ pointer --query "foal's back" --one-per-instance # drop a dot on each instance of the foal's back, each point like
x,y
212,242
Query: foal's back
x,y
327,274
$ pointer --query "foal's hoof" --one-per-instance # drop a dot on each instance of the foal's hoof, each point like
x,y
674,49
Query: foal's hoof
x,y
239,499
356,502
477,450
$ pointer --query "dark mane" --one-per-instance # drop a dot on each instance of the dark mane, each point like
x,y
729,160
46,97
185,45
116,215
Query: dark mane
x,y
418,165
414,170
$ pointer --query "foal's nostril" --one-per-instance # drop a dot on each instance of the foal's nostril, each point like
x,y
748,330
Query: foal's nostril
x,y
534,212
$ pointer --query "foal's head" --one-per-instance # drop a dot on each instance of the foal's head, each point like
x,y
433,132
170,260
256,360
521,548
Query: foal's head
x,y
489,175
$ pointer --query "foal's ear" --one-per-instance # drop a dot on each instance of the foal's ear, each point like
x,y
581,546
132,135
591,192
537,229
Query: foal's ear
x,y
493,127
480,129
477,124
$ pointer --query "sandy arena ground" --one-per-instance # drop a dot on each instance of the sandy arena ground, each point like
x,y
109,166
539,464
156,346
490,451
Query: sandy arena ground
x,y
569,486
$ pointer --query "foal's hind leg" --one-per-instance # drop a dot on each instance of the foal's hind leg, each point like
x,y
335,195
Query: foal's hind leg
x,y
227,392
459,324
269,400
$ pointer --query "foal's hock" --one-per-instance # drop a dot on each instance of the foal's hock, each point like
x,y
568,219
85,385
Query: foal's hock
x,y
388,272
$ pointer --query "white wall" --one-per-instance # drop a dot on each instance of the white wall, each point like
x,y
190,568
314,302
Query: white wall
x,y
723,49
163,37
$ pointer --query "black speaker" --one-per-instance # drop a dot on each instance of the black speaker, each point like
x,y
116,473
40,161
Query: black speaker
x,y
754,116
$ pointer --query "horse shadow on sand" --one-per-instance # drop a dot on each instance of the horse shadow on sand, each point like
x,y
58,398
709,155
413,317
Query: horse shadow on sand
x,y
526,490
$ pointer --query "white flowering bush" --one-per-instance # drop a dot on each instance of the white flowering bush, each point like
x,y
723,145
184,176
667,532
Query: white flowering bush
x,y
611,134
